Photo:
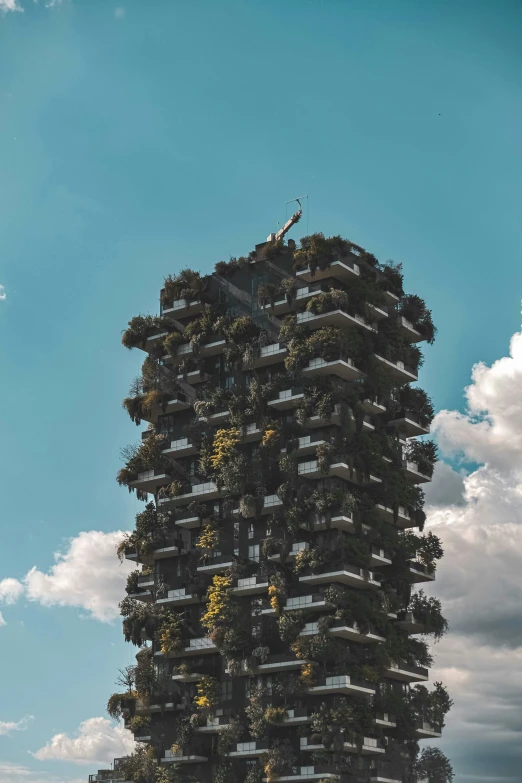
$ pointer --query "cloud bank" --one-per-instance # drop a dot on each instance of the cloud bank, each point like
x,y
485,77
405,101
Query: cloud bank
x,y
479,519
97,741
87,575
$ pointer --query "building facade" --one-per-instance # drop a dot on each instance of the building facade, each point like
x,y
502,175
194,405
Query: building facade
x,y
277,600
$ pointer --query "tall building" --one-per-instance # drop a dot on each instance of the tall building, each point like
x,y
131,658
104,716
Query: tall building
x,y
277,600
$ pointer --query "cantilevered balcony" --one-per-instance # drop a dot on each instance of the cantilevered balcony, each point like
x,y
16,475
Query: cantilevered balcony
x,y
188,523
313,422
288,398
274,664
144,587
385,719
193,377
182,308
202,645
379,557
251,585
182,447
207,490
350,632
248,750
181,758
331,522
296,549
408,424
403,520
374,407
339,270
398,370
270,502
348,575
342,367
304,774
178,402
251,432
214,725
311,470
342,683
406,672
426,730
305,445
179,597
408,331
271,354
297,717
314,602
151,480
333,318
420,572
413,474
106,776
386,775
368,746
216,565
409,623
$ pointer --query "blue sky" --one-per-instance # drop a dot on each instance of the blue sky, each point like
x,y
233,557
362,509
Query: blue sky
x,y
137,138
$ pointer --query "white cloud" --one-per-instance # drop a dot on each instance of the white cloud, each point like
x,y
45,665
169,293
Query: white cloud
x,y
6,727
478,518
97,740
10,590
3,295
119,12
9,5
2,621
15,773
87,575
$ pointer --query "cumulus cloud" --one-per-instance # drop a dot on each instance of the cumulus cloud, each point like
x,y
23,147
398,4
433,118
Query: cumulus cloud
x,y
478,517
86,575
2,621
6,727
3,295
10,590
9,5
97,740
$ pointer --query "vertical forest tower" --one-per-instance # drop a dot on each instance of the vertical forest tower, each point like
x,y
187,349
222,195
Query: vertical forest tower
x,y
277,600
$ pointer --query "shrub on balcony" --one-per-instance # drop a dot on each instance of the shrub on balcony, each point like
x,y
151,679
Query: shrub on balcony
x,y
219,608
414,309
229,735
280,756
275,715
428,612
311,558
119,702
423,453
147,456
151,532
171,344
140,328
138,722
170,633
207,693
188,285
277,593
417,401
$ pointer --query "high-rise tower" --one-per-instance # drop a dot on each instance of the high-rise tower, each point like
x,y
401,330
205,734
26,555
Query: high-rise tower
x,y
277,599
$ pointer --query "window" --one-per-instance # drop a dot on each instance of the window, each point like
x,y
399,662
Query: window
x,y
230,382
251,530
256,630
253,553
226,690
236,531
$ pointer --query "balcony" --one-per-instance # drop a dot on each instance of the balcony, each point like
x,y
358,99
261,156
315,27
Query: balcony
x,y
386,776
214,725
373,407
413,474
408,330
380,557
320,421
343,368
143,708
271,354
181,308
333,318
408,425
215,418
251,432
204,491
151,480
311,470
425,730
314,602
248,750
421,573
349,575
193,377
192,677
251,585
288,398
304,774
178,597
406,672
297,717
180,758
403,520
282,305
305,445
188,523
410,623
270,502
350,632
216,565
386,720
165,552
144,588
339,270
182,447
301,546
338,522
177,403
342,683
398,370
202,645
106,776
368,747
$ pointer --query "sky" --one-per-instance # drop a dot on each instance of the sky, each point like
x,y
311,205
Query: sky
x,y
137,138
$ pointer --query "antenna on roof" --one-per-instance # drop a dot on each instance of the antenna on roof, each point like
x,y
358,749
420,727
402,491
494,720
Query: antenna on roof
x,y
296,217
